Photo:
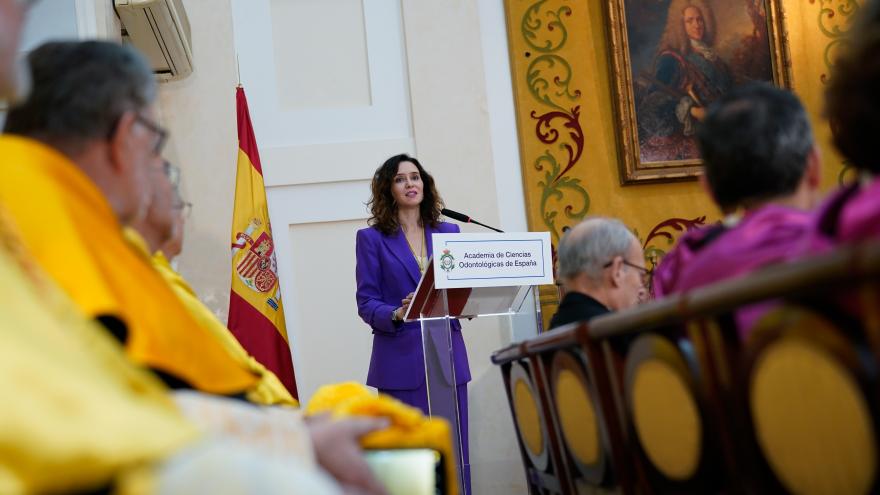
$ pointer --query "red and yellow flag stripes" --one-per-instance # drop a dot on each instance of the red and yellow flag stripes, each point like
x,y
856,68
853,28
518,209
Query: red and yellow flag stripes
x,y
256,316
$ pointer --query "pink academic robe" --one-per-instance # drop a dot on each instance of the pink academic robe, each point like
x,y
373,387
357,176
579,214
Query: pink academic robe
x,y
850,214
666,276
860,218
764,236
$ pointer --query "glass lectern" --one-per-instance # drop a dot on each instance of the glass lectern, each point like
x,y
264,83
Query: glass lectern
x,y
435,309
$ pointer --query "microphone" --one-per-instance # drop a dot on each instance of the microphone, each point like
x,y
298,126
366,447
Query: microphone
x,y
461,217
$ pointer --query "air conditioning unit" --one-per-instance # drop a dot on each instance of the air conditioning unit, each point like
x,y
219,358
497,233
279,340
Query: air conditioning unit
x,y
160,30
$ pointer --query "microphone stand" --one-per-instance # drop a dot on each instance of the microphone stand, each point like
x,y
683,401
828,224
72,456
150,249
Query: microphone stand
x,y
484,225
461,217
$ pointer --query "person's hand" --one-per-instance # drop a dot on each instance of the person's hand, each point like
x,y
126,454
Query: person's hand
x,y
338,451
404,303
698,113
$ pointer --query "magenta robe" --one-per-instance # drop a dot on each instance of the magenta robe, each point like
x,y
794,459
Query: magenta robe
x,y
764,236
666,277
860,218
850,214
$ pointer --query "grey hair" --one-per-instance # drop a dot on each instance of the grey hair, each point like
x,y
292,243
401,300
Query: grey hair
x,y
588,246
80,91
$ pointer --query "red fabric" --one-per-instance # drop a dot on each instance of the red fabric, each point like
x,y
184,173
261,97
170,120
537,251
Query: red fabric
x,y
246,140
262,340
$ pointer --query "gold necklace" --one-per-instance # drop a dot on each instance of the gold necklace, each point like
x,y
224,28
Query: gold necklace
x,y
418,258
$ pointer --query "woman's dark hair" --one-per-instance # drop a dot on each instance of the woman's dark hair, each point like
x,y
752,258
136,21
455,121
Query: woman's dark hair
x,y
853,97
382,205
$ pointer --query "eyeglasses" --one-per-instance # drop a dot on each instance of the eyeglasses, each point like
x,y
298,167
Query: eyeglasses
x,y
161,133
185,207
644,274
172,172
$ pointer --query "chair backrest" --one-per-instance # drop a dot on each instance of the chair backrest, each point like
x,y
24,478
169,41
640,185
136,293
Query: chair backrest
x,y
812,412
577,414
768,383
526,395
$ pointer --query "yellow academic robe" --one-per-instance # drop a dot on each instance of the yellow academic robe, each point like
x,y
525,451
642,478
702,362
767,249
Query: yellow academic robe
x,y
75,412
68,227
268,390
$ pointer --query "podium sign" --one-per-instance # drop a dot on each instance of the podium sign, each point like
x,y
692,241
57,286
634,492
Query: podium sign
x,y
492,260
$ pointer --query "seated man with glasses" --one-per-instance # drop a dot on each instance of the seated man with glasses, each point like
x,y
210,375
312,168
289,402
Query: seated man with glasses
x,y
160,233
77,161
602,268
173,245
79,164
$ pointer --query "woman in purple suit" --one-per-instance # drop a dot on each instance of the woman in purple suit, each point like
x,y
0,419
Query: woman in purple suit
x,y
392,254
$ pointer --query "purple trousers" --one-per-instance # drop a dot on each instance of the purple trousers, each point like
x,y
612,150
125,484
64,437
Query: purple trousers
x,y
419,398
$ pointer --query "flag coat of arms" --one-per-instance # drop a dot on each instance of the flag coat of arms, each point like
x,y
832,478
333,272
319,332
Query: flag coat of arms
x,y
256,315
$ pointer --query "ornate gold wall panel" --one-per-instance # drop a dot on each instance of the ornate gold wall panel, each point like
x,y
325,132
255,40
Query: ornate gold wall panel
x,y
559,62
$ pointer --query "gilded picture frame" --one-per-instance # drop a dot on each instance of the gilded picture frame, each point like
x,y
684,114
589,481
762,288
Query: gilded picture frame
x,y
666,70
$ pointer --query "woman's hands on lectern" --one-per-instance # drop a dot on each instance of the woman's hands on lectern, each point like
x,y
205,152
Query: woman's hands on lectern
x,y
401,311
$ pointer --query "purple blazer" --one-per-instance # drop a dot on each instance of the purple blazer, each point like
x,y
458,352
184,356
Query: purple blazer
x,y
386,272
765,236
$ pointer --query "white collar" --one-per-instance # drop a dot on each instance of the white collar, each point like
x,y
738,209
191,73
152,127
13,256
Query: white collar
x,y
703,49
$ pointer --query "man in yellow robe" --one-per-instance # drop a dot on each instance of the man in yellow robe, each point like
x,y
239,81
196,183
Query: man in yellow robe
x,y
75,411
76,171
163,224
77,414
74,406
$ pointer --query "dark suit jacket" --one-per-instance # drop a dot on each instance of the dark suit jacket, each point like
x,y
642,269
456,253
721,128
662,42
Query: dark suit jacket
x,y
577,307
386,272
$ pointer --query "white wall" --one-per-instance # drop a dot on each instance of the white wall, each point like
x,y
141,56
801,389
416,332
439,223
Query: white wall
x,y
200,113
49,20
502,116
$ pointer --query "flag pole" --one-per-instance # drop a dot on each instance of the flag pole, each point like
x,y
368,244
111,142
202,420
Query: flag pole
x,y
238,70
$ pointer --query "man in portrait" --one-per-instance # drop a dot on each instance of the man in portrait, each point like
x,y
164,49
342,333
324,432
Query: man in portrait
x,y
696,61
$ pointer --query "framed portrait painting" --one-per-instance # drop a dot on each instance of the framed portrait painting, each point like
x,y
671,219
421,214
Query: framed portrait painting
x,y
670,59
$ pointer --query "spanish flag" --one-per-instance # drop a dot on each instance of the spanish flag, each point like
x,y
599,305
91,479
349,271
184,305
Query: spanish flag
x,y
256,316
